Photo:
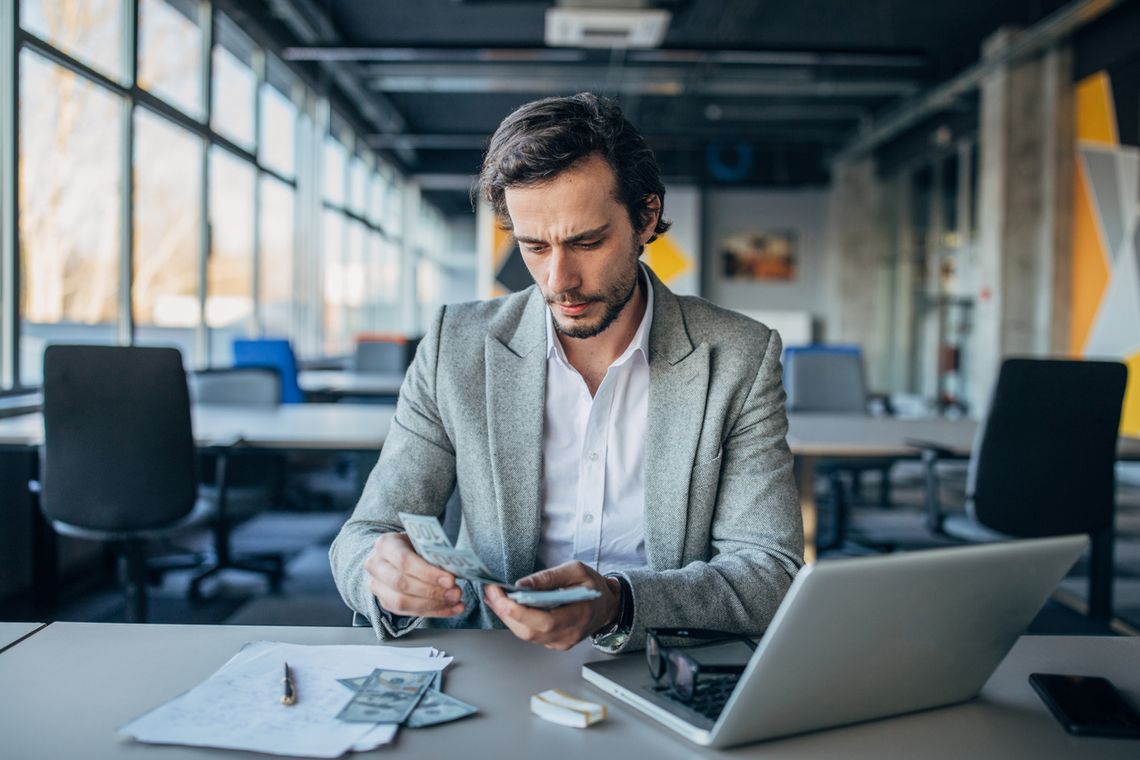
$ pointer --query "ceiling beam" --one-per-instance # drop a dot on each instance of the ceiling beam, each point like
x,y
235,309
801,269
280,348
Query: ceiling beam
x,y
901,60
1049,31
660,81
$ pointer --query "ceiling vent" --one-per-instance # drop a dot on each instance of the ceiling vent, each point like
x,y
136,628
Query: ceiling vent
x,y
605,28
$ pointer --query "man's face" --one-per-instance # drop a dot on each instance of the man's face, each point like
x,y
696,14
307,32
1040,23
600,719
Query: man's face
x,y
577,242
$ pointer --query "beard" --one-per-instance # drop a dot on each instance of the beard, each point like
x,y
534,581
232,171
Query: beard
x,y
615,297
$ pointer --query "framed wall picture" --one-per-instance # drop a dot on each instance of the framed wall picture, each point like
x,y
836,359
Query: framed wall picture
x,y
760,256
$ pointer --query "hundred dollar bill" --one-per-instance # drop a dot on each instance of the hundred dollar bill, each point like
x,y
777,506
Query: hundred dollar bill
x,y
356,684
388,696
424,530
555,598
432,544
437,707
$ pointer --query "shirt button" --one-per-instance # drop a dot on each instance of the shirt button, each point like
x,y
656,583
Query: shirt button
x,y
593,456
588,518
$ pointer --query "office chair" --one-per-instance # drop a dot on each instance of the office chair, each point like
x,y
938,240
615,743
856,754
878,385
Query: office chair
x,y
119,456
251,481
829,379
271,352
1043,463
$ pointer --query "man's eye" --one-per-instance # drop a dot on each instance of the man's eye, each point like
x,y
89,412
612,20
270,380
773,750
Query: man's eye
x,y
590,245
535,248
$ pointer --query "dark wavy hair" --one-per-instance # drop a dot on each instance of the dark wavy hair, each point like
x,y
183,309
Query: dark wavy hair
x,y
541,139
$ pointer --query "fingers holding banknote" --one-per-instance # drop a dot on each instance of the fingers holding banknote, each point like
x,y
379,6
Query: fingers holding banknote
x,y
560,627
405,584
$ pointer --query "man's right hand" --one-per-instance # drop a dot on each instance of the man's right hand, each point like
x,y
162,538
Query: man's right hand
x,y
406,584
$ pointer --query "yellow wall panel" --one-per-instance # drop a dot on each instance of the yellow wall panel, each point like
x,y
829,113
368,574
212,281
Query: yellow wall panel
x,y
1090,266
1096,116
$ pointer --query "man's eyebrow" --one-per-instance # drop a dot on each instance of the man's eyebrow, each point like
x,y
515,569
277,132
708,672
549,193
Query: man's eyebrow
x,y
578,238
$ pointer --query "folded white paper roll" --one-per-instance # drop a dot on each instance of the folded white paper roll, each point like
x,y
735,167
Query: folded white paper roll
x,y
559,707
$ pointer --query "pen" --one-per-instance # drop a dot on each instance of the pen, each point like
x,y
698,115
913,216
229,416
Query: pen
x,y
290,695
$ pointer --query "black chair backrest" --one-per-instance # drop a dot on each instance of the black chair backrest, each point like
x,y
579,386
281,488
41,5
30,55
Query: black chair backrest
x,y
826,381
240,386
1046,462
119,446
380,356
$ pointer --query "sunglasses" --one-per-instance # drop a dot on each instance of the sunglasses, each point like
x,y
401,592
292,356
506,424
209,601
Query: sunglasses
x,y
677,667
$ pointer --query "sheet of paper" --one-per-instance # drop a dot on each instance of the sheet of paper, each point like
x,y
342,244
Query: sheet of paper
x,y
239,706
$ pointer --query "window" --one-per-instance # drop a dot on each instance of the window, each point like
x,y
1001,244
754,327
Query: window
x,y
170,52
332,261
357,185
335,160
275,271
229,271
235,85
69,188
90,31
167,234
276,141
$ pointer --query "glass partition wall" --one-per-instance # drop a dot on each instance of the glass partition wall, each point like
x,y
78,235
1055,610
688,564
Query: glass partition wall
x,y
176,183
932,279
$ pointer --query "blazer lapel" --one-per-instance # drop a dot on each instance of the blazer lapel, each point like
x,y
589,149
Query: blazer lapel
x,y
678,386
516,398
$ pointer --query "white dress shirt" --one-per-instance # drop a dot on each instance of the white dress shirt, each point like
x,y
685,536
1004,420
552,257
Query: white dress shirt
x,y
593,454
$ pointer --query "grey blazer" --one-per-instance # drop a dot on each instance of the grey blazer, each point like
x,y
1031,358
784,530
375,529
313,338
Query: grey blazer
x,y
723,536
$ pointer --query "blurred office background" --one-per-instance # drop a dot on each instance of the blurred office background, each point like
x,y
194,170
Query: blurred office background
x,y
937,185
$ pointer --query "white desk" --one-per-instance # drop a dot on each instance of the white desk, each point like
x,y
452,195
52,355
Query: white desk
x,y
346,383
13,632
116,672
340,427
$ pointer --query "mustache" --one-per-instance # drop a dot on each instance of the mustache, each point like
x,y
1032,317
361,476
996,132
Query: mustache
x,y
573,297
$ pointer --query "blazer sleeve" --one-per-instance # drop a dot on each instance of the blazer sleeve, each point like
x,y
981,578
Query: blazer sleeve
x,y
415,473
756,536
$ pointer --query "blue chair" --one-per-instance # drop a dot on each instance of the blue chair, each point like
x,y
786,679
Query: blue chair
x,y
271,352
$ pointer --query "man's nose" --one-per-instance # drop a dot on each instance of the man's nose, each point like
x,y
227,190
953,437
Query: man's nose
x,y
562,275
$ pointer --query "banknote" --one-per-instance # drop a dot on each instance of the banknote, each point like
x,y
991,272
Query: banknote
x,y
356,684
424,530
432,544
437,707
388,696
555,598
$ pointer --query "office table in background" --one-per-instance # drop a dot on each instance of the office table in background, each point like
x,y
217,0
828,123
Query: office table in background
x,y
10,633
289,427
850,436
341,383
129,669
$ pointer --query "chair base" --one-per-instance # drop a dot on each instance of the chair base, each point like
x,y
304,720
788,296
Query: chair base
x,y
272,566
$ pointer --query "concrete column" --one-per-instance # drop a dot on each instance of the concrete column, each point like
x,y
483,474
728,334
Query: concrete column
x,y
1024,195
858,268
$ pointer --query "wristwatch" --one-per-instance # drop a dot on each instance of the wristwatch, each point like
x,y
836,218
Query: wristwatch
x,y
615,636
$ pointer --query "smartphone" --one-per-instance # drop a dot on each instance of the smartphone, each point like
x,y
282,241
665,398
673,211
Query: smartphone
x,y
1087,705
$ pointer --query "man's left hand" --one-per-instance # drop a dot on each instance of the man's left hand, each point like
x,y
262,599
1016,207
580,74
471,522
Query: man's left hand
x,y
561,627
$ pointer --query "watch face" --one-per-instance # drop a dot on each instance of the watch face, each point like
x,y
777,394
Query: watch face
x,y
615,640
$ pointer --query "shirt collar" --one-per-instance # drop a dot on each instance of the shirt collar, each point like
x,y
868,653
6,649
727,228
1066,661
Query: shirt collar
x,y
639,345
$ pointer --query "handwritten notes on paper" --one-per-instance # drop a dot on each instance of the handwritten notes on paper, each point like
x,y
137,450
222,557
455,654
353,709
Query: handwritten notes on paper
x,y
239,706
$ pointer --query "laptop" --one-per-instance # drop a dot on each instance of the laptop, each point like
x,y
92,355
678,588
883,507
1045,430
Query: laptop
x,y
859,639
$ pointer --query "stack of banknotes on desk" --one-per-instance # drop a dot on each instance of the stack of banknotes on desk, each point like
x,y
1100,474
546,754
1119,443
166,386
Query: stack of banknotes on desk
x,y
432,543
406,698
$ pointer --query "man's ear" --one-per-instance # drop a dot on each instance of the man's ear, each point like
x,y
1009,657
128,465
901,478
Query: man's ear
x,y
653,215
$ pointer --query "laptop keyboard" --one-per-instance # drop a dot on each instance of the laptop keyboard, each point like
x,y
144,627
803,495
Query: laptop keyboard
x,y
711,696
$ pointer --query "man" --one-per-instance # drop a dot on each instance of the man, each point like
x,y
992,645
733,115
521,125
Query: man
x,y
599,430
